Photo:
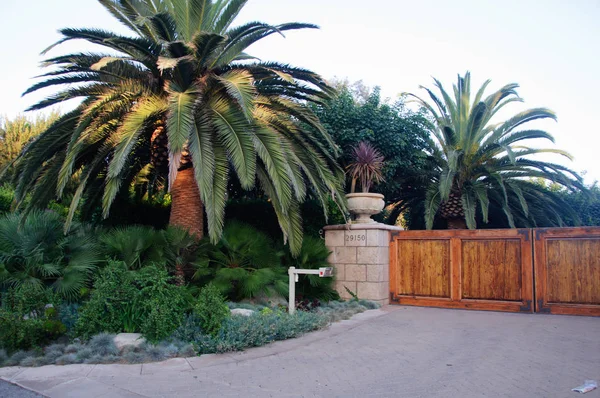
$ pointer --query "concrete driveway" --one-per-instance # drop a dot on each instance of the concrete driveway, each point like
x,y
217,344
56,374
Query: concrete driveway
x,y
395,352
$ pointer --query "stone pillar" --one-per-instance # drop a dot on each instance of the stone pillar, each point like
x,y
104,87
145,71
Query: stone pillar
x,y
360,254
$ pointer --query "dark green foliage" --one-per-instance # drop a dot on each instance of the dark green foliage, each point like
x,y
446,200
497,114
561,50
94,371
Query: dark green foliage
x,y
26,321
109,302
140,246
259,213
243,264
144,301
133,211
160,303
396,132
18,333
585,204
34,253
313,255
136,246
68,314
211,309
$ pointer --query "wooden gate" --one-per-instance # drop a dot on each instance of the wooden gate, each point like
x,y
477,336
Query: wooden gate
x,y
567,270
475,269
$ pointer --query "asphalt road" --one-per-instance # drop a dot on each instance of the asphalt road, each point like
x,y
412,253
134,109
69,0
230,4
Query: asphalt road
x,y
8,390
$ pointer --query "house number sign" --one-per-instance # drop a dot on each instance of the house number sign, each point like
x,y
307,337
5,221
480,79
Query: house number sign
x,y
355,237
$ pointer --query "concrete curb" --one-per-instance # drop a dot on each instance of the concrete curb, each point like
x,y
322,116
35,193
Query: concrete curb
x,y
48,380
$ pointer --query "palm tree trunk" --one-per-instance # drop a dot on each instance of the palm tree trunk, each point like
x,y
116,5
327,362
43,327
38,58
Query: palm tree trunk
x,y
187,210
457,223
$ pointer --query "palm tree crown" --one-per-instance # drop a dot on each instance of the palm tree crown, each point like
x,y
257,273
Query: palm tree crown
x,y
183,76
480,163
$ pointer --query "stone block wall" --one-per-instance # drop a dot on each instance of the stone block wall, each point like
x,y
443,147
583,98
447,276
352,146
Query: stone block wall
x,y
360,255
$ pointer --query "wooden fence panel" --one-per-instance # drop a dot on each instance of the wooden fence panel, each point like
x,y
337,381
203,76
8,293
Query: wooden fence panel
x,y
475,269
567,270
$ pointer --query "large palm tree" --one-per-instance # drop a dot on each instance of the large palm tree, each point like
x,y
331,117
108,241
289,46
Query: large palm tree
x,y
181,103
476,162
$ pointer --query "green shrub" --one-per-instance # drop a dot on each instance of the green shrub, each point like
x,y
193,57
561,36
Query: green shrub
x,y
143,301
211,309
135,245
313,255
36,254
161,303
243,264
7,195
25,322
17,333
106,310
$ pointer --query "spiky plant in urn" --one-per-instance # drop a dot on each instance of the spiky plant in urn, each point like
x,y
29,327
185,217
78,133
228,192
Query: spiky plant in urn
x,y
365,169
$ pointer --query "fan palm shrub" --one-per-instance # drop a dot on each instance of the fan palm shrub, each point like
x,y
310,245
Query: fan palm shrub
x,y
244,264
183,103
314,255
140,246
136,246
476,162
37,256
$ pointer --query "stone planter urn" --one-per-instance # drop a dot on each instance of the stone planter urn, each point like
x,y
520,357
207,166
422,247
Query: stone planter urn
x,y
363,205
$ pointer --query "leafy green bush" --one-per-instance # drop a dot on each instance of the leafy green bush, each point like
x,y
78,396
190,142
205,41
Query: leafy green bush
x,y
39,256
211,309
18,332
109,303
7,195
243,264
162,304
28,319
142,301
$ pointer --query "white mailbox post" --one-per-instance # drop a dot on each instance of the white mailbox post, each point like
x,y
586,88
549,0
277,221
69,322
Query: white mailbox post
x,y
293,273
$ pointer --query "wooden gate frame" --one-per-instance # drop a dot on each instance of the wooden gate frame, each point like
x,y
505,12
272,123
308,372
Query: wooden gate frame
x,y
456,301
541,237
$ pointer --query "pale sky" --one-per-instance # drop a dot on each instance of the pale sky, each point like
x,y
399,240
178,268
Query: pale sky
x,y
550,47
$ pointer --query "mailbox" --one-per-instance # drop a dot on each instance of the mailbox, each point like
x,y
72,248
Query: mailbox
x,y
323,272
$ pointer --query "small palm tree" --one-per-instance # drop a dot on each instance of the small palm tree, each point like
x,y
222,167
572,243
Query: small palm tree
x,y
35,255
365,167
181,103
477,163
